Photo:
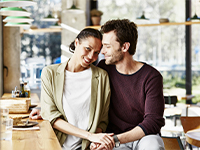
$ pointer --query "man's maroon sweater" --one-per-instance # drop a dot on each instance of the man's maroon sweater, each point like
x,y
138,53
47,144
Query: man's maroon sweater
x,y
136,100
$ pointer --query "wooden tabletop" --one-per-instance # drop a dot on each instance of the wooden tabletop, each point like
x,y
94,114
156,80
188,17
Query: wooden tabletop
x,y
42,139
34,97
193,137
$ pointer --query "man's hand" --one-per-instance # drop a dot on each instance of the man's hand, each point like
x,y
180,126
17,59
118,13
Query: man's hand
x,y
97,146
35,114
101,141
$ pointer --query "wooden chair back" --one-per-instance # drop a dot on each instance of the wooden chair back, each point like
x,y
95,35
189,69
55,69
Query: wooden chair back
x,y
190,123
172,143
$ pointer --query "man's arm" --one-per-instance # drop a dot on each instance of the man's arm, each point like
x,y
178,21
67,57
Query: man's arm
x,y
129,136
132,135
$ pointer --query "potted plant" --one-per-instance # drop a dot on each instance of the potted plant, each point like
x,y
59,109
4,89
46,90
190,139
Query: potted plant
x,y
96,16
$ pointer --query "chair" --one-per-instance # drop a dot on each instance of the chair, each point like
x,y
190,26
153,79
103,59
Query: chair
x,y
34,68
190,123
171,99
172,143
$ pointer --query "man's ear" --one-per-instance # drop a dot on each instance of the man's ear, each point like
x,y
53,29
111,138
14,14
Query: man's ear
x,y
125,46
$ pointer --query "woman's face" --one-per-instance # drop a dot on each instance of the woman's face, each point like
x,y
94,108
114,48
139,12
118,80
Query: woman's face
x,y
87,50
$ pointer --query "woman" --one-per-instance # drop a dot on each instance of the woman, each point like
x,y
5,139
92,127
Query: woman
x,y
75,95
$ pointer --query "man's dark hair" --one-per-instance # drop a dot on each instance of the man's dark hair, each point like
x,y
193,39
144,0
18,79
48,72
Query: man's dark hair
x,y
126,31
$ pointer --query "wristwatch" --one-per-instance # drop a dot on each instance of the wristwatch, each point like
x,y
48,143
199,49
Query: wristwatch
x,y
117,142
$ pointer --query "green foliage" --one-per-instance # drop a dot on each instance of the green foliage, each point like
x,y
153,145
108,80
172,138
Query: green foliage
x,y
196,99
174,82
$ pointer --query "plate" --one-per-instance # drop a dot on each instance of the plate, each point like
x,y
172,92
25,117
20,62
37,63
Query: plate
x,y
30,124
32,106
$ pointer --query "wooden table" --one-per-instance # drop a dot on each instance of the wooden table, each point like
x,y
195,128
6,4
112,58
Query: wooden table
x,y
34,98
193,137
42,139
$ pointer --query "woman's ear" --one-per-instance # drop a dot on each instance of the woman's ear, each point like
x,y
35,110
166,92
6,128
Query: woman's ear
x,y
125,46
76,42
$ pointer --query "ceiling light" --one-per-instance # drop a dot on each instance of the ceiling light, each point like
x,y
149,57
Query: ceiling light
x,y
16,3
194,18
74,9
14,11
143,16
56,25
18,19
49,18
19,24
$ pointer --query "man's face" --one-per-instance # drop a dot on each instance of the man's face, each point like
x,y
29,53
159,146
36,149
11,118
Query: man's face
x,y
111,48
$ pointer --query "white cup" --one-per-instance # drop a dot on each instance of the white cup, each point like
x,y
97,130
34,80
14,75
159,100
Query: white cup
x,y
6,129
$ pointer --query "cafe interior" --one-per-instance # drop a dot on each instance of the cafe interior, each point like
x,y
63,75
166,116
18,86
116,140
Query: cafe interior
x,y
37,33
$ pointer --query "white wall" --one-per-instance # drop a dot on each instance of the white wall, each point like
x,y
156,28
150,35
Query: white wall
x,y
74,20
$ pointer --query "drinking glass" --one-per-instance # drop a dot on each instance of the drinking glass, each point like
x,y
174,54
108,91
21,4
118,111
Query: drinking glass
x,y
6,129
4,113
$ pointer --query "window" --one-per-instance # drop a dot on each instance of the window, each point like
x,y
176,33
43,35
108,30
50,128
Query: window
x,y
161,46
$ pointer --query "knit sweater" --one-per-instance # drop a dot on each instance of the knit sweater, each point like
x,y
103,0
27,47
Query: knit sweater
x,y
136,100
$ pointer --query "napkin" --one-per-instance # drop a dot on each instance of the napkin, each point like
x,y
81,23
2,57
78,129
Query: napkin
x,y
30,128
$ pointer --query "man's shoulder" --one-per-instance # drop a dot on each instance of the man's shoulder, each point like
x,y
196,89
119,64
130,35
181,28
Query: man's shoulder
x,y
150,68
101,63
98,69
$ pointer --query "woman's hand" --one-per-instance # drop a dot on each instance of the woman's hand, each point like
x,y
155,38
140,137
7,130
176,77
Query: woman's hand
x,y
35,114
102,141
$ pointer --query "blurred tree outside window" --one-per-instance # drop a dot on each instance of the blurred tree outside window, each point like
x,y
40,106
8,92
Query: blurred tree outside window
x,y
161,46
43,45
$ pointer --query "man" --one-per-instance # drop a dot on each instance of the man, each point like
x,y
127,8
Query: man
x,y
137,103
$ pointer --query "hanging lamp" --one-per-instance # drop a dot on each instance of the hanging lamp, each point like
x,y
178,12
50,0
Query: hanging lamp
x,y
18,24
194,18
143,17
50,18
74,9
16,3
14,11
56,25
18,19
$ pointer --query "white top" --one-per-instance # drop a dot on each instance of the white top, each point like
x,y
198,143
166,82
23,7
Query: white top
x,y
76,103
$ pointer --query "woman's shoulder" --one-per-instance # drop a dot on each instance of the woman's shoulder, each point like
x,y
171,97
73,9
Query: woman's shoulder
x,y
55,67
51,67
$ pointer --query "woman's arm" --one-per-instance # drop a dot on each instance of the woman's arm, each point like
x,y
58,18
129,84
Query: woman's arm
x,y
102,138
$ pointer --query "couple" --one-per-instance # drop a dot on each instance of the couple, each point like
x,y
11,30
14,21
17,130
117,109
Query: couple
x,y
117,107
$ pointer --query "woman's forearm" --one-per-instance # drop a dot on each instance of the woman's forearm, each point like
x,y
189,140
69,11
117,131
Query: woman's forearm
x,y
67,128
105,139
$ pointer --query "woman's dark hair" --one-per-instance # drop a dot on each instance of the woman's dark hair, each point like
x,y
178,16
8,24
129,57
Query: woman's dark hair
x,y
84,34
126,31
